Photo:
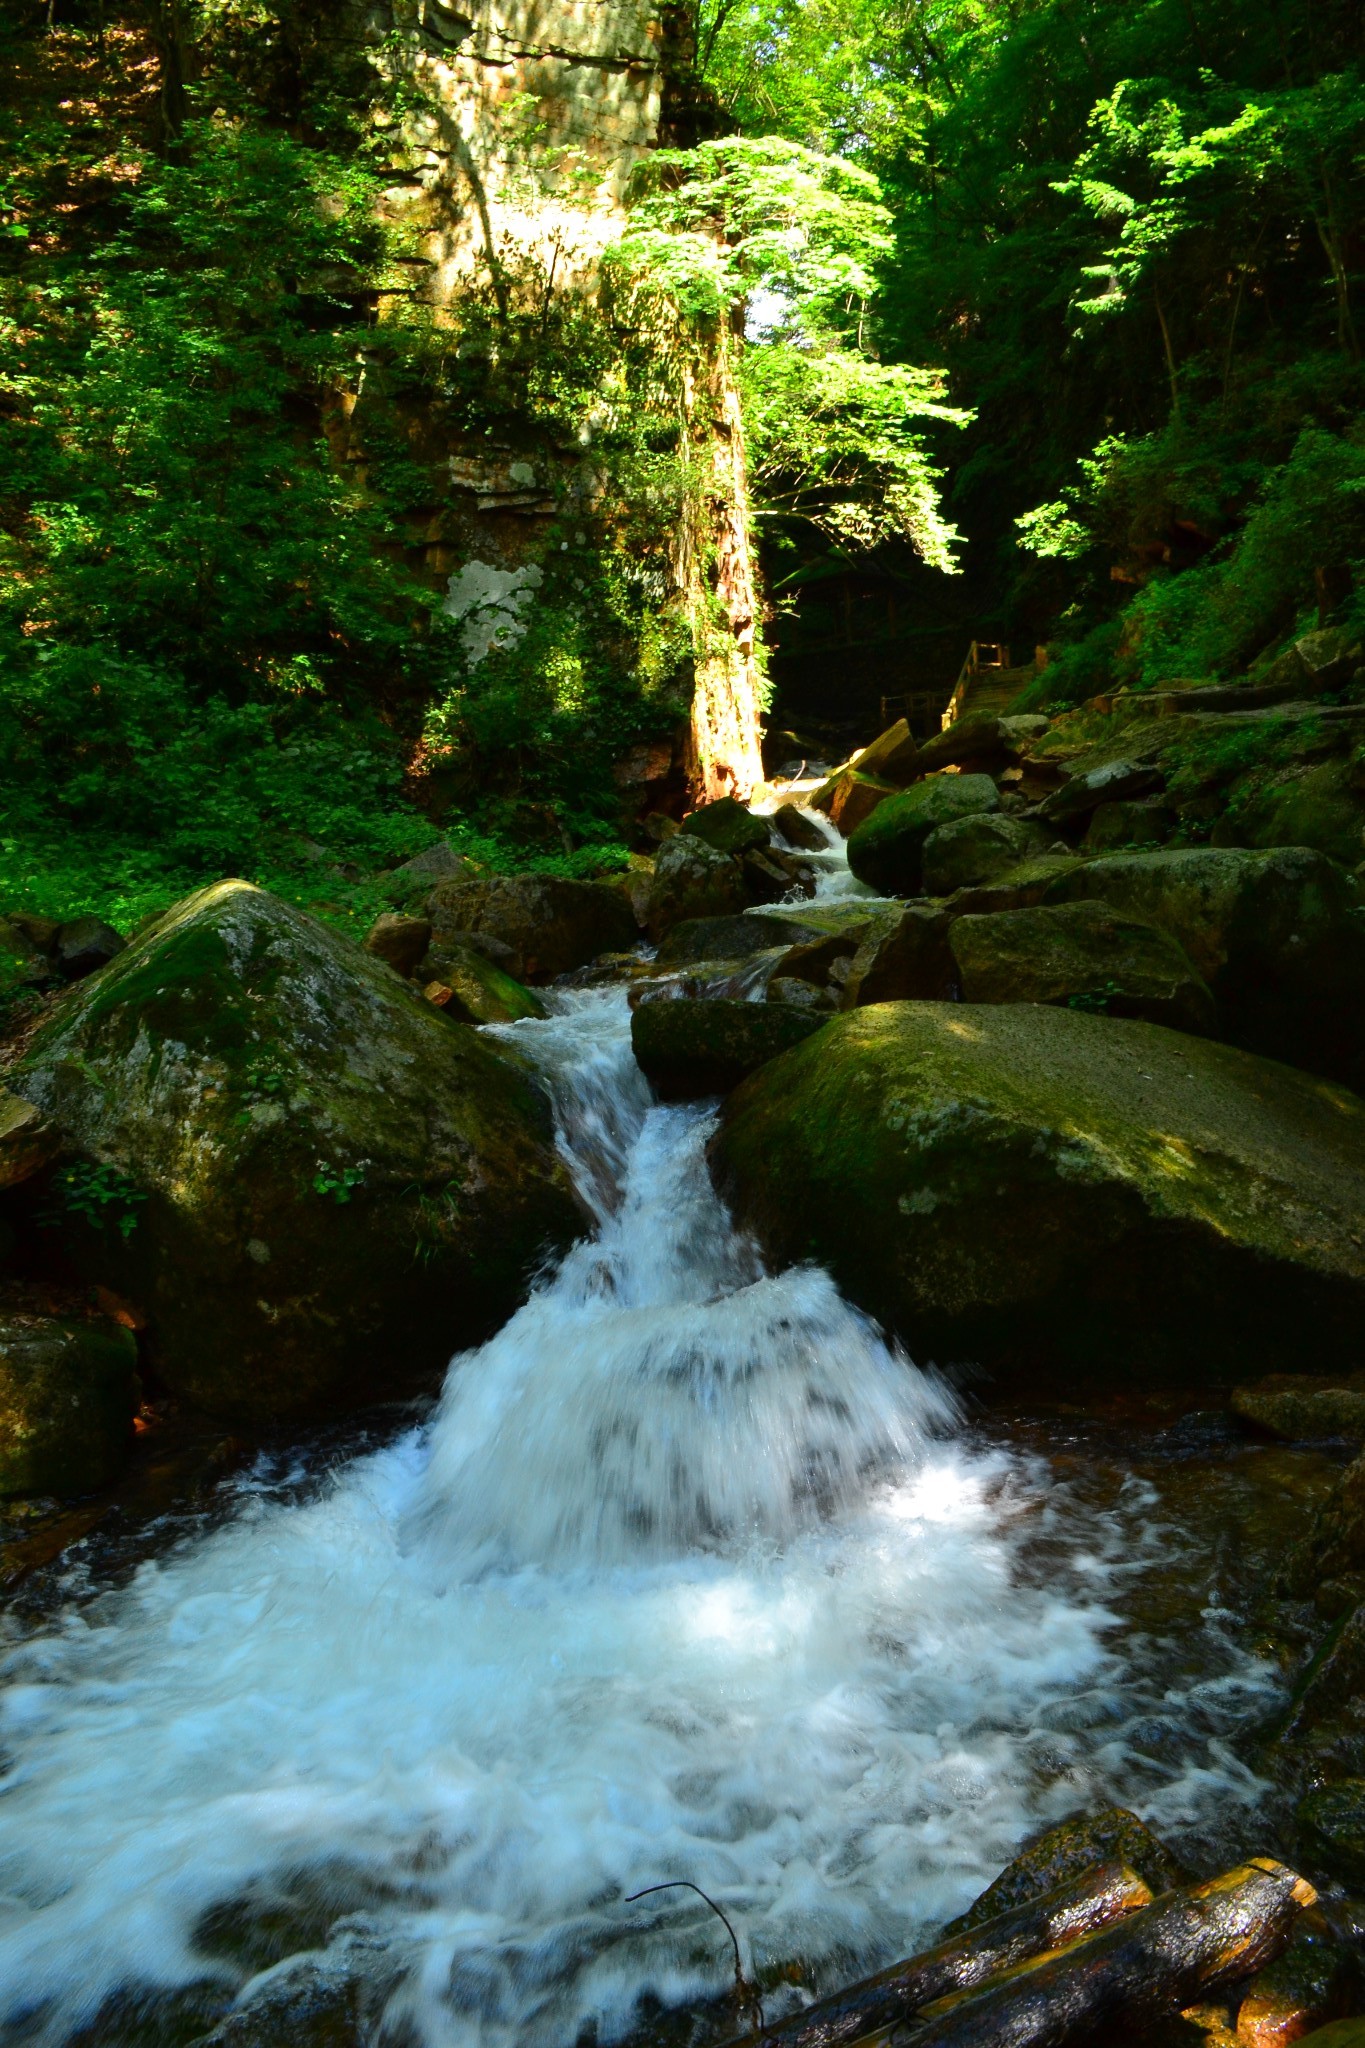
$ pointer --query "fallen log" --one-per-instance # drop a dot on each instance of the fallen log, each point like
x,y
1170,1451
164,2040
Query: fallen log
x,y
1150,1966
1093,1900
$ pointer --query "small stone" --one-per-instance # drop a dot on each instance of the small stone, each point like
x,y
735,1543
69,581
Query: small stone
x,y
1308,1985
886,851
436,863
1111,783
691,879
892,757
849,799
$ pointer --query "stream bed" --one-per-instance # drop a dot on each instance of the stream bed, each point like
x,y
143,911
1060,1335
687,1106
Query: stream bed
x,y
687,1576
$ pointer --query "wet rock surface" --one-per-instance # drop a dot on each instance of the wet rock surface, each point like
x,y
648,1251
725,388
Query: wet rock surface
x,y
68,1391
1003,1183
707,1047
311,1178
1083,955
549,926
887,851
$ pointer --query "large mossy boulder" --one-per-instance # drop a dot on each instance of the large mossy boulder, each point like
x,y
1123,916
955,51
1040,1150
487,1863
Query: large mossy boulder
x,y
729,826
1322,806
903,955
692,880
1083,954
1278,936
68,1392
335,1187
886,852
978,848
690,1048
550,926
1023,1184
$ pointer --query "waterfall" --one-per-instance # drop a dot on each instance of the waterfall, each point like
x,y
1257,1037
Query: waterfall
x,y
688,1575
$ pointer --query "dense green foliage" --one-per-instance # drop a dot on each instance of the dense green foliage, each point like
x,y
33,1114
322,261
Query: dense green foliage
x,y
1134,236
1127,240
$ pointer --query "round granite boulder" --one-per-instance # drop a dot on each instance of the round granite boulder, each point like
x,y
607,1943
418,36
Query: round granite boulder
x,y
1018,1184
886,851
316,1184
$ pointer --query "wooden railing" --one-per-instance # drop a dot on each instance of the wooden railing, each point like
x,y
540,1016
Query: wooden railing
x,y
916,707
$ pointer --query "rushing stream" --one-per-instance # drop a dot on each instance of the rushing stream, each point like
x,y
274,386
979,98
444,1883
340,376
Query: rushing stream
x,y
688,1575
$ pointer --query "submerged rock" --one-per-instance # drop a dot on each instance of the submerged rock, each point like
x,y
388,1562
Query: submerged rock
x,y
335,1187
550,926
1085,955
887,851
1279,937
68,1393
1021,1183
688,1048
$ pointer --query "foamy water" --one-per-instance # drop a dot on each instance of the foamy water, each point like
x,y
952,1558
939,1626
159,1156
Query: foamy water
x,y
689,1576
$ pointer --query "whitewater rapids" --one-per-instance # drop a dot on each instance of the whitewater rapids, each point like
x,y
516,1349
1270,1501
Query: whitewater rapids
x,y
689,1575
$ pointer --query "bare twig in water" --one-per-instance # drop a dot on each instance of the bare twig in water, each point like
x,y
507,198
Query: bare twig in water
x,y
746,1994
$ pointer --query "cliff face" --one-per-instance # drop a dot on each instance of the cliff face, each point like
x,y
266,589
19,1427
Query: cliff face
x,y
535,113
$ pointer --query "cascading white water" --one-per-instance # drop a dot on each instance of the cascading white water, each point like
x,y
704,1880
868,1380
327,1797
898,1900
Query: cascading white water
x,y
684,1579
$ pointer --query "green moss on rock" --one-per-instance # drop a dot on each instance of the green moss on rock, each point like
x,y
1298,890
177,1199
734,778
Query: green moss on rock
x,y
68,1392
691,1048
1278,936
886,850
342,1187
551,926
1085,955
1023,1183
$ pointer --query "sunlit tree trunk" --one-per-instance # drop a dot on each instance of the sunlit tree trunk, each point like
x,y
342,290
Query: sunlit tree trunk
x,y
716,570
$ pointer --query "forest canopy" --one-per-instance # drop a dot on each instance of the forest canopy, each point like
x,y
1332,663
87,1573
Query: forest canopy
x,y
1054,330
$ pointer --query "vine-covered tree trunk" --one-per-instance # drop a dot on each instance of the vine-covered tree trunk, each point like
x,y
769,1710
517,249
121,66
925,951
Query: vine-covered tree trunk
x,y
716,571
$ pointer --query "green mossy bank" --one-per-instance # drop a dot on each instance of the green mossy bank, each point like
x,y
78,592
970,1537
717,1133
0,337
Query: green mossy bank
x,y
1020,1184
321,1187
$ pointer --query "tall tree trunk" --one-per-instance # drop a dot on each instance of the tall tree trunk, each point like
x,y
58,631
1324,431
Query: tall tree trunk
x,y
716,571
